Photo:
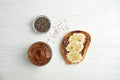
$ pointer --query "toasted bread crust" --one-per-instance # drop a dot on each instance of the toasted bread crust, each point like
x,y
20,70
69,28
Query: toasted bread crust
x,y
65,43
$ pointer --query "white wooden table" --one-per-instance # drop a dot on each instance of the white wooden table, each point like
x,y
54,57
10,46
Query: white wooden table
x,y
101,18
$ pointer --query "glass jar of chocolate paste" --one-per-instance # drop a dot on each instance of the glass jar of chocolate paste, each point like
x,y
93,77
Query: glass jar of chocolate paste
x,y
40,53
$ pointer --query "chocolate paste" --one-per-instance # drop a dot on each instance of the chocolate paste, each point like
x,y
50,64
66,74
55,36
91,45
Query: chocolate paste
x,y
40,53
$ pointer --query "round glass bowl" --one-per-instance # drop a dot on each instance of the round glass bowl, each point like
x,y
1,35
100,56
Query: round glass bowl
x,y
41,24
40,53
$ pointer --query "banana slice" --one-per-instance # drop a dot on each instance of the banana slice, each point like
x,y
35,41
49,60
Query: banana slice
x,y
74,57
73,39
80,37
75,46
70,47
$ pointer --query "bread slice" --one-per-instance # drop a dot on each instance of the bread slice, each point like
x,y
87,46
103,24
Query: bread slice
x,y
65,43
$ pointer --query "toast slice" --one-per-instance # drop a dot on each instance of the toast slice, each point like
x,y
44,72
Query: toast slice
x,y
65,43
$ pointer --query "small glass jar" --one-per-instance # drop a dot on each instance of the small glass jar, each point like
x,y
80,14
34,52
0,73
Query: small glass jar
x,y
45,27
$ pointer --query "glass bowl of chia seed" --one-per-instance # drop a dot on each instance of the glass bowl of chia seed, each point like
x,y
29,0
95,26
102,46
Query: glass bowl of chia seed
x,y
41,24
